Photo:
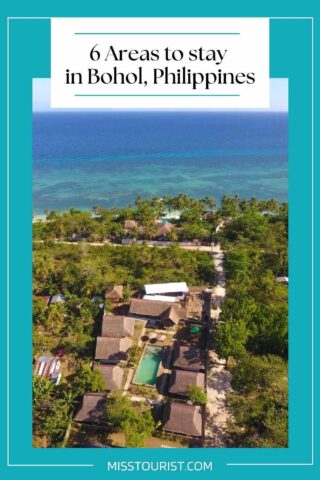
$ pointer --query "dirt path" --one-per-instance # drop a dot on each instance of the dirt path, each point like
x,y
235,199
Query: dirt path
x,y
218,378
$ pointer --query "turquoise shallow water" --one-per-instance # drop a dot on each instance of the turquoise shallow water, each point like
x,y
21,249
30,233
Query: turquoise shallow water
x,y
146,373
108,158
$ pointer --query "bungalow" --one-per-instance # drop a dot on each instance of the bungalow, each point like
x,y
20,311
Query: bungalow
x,y
163,229
92,409
161,312
182,419
117,326
112,350
112,376
180,380
130,225
188,357
114,293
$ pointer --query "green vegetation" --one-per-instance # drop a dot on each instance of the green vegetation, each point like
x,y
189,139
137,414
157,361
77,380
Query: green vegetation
x,y
260,402
122,416
196,395
252,333
105,223
82,270
254,320
53,406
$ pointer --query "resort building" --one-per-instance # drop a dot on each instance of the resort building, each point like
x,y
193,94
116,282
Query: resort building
x,y
114,293
156,311
112,350
180,380
92,409
117,326
182,419
112,376
188,357
163,229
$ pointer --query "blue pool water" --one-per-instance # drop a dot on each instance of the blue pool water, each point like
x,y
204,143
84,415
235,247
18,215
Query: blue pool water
x,y
147,370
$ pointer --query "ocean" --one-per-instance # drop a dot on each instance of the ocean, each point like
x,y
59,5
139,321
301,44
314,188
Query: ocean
x,y
107,158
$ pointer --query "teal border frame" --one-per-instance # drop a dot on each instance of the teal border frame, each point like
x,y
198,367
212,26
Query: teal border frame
x,y
30,58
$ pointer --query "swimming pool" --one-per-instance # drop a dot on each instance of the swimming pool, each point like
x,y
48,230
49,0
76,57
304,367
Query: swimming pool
x,y
147,370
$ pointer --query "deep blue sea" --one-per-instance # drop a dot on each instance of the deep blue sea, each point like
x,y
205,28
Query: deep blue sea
x,y
83,159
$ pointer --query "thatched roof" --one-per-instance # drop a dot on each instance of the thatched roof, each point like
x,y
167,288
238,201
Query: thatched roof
x,y
182,419
112,349
130,224
92,409
117,326
197,289
114,292
112,375
171,314
180,380
188,357
163,229
151,308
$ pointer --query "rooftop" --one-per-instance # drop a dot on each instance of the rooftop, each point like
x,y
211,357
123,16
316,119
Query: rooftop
x,y
188,357
112,375
112,349
117,326
92,409
182,419
180,380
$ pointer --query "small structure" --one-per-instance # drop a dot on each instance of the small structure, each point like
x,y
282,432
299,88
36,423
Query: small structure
x,y
163,229
59,298
130,225
162,312
114,293
176,289
180,380
112,376
117,326
92,409
188,357
282,280
182,419
48,367
112,350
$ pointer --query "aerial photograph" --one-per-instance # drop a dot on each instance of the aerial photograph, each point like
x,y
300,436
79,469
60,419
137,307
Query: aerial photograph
x,y
160,276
